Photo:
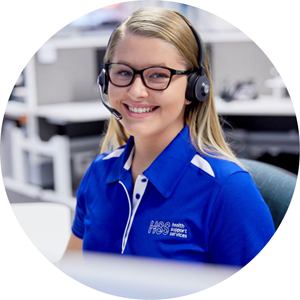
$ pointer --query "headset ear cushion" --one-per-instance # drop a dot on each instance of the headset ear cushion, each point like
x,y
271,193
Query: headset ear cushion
x,y
103,81
190,89
197,87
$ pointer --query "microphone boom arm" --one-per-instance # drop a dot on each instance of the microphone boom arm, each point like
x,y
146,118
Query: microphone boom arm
x,y
114,112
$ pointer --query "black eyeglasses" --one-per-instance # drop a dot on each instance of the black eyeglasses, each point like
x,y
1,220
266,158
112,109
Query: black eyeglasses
x,y
154,78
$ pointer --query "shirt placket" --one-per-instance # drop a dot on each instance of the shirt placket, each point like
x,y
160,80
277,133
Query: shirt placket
x,y
137,195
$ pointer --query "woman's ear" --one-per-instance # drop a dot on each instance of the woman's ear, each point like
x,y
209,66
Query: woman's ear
x,y
187,102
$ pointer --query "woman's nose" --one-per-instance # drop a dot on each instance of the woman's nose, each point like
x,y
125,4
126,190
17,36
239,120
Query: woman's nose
x,y
137,89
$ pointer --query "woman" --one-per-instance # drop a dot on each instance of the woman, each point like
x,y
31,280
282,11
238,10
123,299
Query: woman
x,y
171,187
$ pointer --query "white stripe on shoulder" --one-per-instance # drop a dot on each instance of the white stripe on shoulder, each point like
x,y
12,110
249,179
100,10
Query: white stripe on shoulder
x,y
115,153
202,164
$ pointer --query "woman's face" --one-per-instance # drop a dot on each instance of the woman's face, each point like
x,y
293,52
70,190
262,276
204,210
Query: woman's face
x,y
166,108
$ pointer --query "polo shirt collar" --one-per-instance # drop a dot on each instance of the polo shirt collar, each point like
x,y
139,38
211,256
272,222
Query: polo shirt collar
x,y
167,169
122,168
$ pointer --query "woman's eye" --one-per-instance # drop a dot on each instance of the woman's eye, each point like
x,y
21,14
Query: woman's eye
x,y
124,73
159,76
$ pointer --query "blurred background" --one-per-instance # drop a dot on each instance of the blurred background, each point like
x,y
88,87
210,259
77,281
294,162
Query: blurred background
x,y
54,120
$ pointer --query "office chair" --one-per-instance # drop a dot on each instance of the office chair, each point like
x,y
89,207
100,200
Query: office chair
x,y
276,186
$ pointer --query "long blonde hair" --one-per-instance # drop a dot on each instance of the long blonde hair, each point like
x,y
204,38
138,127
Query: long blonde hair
x,y
201,117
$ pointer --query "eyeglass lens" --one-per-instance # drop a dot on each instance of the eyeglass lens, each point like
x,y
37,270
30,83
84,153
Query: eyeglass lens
x,y
154,77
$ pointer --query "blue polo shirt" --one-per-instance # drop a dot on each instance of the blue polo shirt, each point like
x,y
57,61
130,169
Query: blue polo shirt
x,y
185,206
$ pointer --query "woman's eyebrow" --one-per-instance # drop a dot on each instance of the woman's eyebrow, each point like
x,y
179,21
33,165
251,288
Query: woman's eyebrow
x,y
161,64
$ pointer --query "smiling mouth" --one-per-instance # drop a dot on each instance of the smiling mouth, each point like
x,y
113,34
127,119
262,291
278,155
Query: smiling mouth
x,y
141,110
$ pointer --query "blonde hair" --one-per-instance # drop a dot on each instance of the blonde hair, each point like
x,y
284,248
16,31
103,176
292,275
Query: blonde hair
x,y
201,117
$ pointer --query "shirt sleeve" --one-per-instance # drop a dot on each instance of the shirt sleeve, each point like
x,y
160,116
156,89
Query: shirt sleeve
x,y
240,224
78,223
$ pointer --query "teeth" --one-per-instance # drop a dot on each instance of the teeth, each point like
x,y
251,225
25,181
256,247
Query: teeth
x,y
139,110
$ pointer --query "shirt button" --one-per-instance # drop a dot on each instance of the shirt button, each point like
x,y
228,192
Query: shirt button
x,y
138,196
144,180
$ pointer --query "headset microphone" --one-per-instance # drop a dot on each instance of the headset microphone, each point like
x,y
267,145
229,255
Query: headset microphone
x,y
101,84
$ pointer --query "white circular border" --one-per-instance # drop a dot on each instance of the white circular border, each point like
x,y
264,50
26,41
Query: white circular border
x,y
26,25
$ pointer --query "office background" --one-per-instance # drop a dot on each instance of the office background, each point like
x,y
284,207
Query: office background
x,y
271,274
54,120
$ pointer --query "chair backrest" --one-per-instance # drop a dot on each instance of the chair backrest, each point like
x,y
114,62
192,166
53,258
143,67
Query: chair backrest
x,y
47,225
275,184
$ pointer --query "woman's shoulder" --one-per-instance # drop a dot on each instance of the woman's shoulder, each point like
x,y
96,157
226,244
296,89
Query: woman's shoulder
x,y
109,156
222,168
103,163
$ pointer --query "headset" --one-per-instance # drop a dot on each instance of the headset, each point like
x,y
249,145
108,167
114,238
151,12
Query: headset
x,y
198,85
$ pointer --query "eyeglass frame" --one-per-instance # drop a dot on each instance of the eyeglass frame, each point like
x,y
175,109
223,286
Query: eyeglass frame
x,y
140,72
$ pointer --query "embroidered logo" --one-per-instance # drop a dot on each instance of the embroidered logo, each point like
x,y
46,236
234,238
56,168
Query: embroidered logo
x,y
159,227
166,228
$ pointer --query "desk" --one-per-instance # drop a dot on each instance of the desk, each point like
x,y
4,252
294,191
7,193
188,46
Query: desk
x,y
72,119
263,129
262,106
142,278
74,112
